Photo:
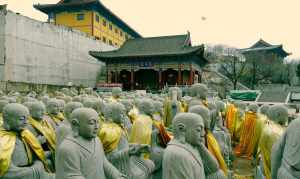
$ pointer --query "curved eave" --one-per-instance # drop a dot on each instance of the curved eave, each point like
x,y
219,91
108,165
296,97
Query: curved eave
x,y
277,48
103,57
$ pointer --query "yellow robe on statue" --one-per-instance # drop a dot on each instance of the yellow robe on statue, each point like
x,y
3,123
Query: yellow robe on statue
x,y
57,118
141,130
110,135
133,113
1,120
245,147
238,125
214,148
271,133
7,143
231,113
46,130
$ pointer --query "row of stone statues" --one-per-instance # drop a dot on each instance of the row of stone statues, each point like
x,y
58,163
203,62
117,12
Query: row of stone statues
x,y
143,136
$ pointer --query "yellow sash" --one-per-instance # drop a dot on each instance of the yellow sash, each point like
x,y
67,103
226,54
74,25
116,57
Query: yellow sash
x,y
215,150
110,135
133,113
141,130
270,135
57,118
7,145
46,130
245,147
231,113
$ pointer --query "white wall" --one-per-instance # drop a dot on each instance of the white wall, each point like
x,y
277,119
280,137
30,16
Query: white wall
x,y
38,52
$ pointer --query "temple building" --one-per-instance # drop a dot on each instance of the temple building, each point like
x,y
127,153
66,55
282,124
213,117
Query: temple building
x,y
91,17
265,50
151,63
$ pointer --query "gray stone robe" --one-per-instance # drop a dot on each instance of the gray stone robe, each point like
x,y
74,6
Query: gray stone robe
x,y
182,161
285,156
19,168
75,160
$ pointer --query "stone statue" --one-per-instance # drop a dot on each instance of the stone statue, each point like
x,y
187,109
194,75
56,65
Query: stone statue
x,y
285,156
199,93
116,93
211,142
248,140
65,127
3,103
172,106
264,109
182,158
124,156
23,156
42,130
81,155
53,109
273,130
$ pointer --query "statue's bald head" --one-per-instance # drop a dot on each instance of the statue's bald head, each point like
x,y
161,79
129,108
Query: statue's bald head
x,y
278,113
203,112
85,122
70,107
199,90
190,127
37,110
3,103
53,106
15,117
253,108
264,109
116,91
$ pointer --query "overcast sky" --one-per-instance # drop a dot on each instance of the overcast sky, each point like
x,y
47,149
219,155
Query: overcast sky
x,y
238,23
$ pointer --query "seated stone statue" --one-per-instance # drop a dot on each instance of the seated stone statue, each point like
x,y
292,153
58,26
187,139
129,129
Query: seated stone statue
x,y
182,157
54,113
81,155
3,103
64,129
273,130
21,154
285,156
247,141
172,106
211,142
199,93
124,156
43,130
116,93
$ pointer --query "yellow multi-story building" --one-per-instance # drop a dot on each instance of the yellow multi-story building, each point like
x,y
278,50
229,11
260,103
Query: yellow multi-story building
x,y
91,17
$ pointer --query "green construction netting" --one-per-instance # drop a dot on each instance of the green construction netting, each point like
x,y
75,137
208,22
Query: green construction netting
x,y
243,95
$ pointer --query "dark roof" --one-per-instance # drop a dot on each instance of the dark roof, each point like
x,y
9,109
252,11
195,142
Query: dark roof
x,y
275,96
96,5
152,46
262,45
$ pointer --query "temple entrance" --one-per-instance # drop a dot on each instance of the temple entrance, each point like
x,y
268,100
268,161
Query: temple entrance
x,y
125,79
146,79
170,77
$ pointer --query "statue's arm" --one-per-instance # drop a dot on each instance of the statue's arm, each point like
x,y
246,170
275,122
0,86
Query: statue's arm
x,y
69,163
276,155
211,165
110,171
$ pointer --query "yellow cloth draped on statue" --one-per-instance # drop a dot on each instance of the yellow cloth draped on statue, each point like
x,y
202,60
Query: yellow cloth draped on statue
x,y
238,125
245,148
271,133
46,130
184,106
214,148
113,99
167,117
57,118
164,136
133,113
7,143
231,113
259,127
141,130
110,135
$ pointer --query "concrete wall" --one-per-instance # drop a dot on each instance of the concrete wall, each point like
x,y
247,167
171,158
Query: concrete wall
x,y
42,53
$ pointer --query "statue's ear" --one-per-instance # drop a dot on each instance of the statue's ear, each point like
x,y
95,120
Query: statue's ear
x,y
181,127
75,126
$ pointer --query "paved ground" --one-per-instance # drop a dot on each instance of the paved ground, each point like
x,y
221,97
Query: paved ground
x,y
242,169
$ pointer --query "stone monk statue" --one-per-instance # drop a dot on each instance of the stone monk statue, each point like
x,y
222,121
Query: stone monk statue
x,y
285,155
181,158
81,156
21,155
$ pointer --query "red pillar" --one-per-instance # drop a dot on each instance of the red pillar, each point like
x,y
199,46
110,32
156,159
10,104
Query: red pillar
x,y
116,76
191,79
132,79
160,78
179,80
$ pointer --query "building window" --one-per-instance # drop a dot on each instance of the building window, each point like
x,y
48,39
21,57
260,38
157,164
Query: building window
x,y
110,27
104,22
97,18
80,17
104,39
110,42
121,33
